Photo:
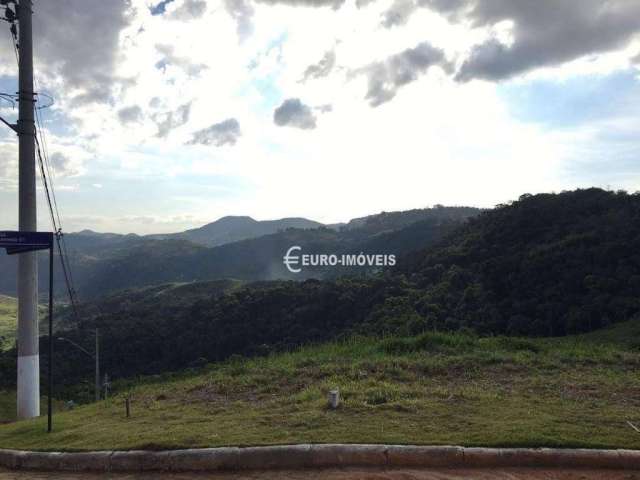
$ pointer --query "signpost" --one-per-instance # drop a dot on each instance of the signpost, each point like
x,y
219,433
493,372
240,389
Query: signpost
x,y
21,242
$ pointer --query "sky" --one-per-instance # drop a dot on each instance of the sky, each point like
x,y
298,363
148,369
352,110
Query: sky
x,y
169,114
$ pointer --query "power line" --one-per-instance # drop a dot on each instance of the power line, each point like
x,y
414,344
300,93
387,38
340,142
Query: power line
x,y
48,177
46,170
10,18
58,231
56,221
43,139
53,205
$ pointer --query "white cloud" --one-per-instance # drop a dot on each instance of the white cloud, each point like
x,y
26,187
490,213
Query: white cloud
x,y
162,79
189,10
8,166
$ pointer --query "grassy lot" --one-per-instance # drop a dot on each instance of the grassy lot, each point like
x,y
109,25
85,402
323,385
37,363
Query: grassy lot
x,y
8,406
8,312
8,319
432,389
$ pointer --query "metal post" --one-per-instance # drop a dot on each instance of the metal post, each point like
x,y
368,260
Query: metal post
x,y
50,390
97,367
28,395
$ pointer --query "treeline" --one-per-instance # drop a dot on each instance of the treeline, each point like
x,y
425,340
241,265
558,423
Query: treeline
x,y
546,265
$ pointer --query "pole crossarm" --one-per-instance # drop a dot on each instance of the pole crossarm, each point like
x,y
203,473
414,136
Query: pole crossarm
x,y
12,126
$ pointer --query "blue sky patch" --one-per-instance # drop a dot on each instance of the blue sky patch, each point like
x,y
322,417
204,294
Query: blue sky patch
x,y
160,8
576,101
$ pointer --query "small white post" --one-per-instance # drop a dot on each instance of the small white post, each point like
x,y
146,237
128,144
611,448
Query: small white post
x,y
334,398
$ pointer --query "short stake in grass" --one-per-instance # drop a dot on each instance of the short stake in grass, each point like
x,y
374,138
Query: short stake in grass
x,y
127,406
334,399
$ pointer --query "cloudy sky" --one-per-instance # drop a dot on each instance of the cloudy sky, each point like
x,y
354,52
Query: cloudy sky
x,y
171,114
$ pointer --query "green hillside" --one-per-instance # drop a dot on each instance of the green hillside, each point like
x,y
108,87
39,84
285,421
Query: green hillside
x,y
8,319
546,265
8,315
445,358
434,388
8,406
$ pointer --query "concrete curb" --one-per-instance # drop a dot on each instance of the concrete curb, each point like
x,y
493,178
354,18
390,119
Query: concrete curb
x,y
318,456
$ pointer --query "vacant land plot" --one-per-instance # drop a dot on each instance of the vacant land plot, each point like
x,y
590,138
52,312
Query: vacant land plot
x,y
436,388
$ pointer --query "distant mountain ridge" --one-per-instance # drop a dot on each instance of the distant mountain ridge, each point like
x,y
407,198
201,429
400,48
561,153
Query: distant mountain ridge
x,y
235,228
391,221
102,263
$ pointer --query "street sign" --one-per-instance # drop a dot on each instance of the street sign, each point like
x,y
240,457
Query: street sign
x,y
19,242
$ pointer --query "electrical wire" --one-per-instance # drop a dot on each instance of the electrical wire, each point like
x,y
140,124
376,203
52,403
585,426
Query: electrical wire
x,y
47,177
62,253
41,133
14,41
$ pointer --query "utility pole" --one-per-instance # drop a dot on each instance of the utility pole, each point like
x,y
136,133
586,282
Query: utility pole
x,y
28,348
50,340
96,358
98,387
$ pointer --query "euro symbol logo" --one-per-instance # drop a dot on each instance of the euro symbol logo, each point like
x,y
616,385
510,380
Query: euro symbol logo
x,y
290,260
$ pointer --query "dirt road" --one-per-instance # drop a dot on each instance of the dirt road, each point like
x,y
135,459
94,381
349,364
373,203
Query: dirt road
x,y
350,474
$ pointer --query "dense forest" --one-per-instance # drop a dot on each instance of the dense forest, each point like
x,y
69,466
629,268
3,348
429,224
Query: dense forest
x,y
545,265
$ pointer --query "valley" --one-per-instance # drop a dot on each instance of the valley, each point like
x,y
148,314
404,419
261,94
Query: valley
x,y
516,327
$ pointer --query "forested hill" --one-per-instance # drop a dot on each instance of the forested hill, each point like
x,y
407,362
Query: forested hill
x,y
234,228
545,265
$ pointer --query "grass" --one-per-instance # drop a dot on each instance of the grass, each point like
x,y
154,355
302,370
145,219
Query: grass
x,y
8,406
8,321
8,315
436,388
